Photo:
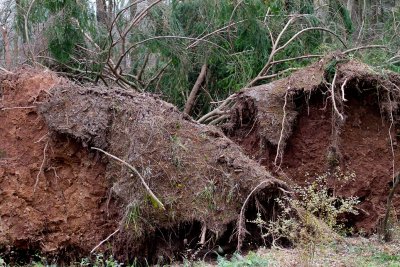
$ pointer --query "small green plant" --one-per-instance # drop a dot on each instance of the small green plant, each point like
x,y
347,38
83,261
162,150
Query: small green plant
x,y
101,261
252,259
385,258
317,200
133,218
209,194
299,221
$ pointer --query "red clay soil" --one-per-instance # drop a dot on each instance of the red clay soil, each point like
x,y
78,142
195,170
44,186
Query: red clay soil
x,y
364,147
54,194
67,211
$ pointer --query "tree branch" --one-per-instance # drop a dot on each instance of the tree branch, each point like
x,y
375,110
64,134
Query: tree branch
x,y
137,173
195,89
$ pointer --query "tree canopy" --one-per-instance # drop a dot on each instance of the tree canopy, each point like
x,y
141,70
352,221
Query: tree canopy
x,y
162,46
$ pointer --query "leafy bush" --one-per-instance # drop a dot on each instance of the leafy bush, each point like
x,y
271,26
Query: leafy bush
x,y
298,219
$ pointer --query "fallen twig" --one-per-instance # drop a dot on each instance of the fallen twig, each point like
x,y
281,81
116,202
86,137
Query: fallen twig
x,y
8,108
137,173
105,240
6,71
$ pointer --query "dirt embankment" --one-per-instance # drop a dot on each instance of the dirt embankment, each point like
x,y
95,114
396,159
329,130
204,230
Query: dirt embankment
x,y
52,192
60,197
315,139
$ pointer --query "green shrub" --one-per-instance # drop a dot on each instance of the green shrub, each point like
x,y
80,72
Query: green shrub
x,y
301,216
252,259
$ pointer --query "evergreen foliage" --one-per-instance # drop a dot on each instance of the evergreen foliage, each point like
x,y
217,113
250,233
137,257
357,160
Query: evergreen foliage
x,y
233,39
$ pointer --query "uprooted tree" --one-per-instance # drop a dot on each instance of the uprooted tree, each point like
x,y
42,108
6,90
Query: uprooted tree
x,y
184,174
175,180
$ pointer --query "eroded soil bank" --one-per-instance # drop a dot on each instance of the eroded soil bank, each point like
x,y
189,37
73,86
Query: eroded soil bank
x,y
61,198
53,195
316,140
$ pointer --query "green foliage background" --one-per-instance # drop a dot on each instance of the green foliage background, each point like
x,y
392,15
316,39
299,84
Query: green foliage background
x,y
234,55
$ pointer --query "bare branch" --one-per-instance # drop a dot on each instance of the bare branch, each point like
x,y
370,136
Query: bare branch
x,y
164,37
276,74
310,29
137,173
295,58
136,20
195,89
276,49
146,59
103,241
161,71
214,32
219,110
364,47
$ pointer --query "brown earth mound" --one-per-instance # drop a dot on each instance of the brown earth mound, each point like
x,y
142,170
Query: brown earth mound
x,y
59,196
359,136
52,192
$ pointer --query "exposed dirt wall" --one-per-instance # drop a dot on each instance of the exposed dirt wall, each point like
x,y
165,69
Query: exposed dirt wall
x,y
60,198
315,140
66,212
365,150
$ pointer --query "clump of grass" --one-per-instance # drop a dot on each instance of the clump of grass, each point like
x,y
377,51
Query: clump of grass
x,y
101,261
208,194
252,259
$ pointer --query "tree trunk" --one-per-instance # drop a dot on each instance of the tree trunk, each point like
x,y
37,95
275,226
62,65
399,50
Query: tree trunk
x,y
7,48
192,97
321,9
350,4
16,48
101,12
